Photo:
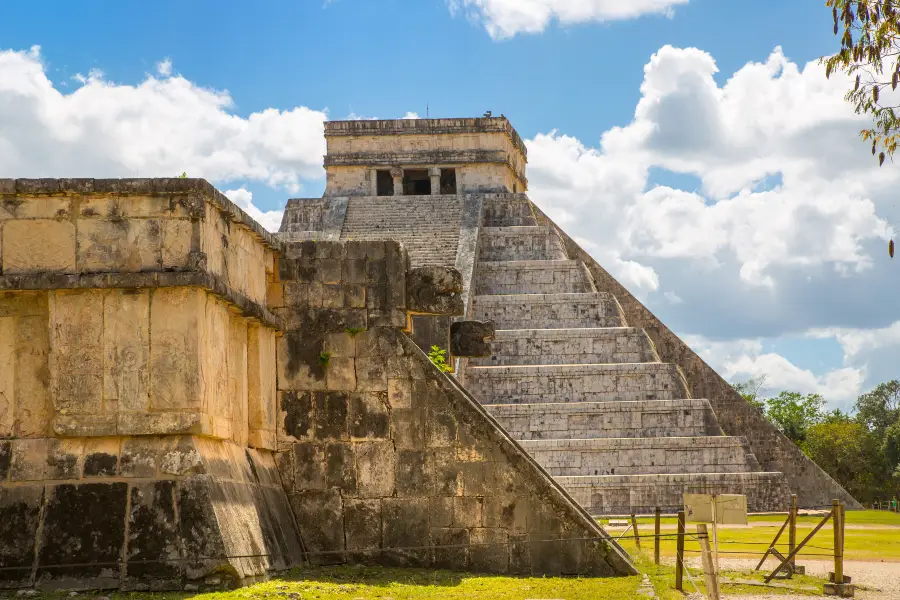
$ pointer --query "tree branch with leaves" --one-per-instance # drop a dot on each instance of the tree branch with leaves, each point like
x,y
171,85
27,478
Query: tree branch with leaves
x,y
870,51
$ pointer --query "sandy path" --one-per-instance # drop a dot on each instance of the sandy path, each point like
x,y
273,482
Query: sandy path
x,y
881,578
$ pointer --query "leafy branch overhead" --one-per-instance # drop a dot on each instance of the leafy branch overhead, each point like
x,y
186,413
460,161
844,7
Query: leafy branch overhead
x,y
870,31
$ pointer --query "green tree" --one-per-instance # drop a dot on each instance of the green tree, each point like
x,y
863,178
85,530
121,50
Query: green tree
x,y
749,390
870,56
891,446
794,413
850,454
880,408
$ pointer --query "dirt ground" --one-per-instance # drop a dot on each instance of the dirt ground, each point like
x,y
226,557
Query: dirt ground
x,y
881,579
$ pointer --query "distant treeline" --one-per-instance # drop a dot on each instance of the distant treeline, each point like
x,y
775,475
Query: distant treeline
x,y
860,449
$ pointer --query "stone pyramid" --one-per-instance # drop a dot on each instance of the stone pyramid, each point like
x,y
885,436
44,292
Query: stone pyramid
x,y
606,398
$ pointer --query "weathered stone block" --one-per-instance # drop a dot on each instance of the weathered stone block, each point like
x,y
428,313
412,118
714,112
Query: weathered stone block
x,y
20,508
153,560
340,468
375,469
331,415
96,536
320,518
489,552
297,415
369,416
22,254
101,457
124,245
139,457
405,524
362,524
434,290
309,467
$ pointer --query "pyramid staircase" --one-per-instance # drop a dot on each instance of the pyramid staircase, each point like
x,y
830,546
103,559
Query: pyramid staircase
x,y
584,393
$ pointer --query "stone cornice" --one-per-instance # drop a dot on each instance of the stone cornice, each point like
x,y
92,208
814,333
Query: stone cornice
x,y
161,186
426,127
143,280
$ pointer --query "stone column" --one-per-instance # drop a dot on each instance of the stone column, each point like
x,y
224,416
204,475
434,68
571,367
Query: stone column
x,y
435,174
397,174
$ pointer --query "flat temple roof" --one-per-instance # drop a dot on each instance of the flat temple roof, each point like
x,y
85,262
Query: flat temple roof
x,y
426,127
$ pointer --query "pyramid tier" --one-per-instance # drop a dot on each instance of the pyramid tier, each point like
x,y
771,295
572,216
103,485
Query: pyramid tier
x,y
548,311
641,494
643,456
569,347
576,383
587,420
520,243
507,210
532,277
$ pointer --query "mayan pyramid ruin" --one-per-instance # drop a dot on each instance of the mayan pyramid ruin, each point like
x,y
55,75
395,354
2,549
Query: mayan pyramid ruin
x,y
190,402
609,401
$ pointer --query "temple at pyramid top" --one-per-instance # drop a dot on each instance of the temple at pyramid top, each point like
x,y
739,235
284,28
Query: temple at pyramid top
x,y
415,157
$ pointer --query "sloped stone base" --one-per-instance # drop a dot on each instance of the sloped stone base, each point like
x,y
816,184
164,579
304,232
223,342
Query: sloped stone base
x,y
183,512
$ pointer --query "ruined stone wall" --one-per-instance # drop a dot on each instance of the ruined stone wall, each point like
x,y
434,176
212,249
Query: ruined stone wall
x,y
775,452
138,390
385,459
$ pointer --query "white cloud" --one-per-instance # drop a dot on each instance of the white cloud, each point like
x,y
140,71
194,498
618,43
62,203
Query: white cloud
x,y
740,360
160,127
411,115
243,197
506,18
803,251
164,67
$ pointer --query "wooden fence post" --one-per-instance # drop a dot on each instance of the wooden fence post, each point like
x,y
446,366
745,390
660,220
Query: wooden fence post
x,y
792,531
679,554
709,568
656,525
838,542
637,536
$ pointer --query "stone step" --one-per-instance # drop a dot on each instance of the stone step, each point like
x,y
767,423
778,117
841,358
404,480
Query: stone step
x,y
641,494
520,243
532,277
569,347
642,456
428,226
536,384
689,417
549,311
507,210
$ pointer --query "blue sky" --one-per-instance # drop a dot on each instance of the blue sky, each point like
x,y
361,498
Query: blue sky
x,y
697,155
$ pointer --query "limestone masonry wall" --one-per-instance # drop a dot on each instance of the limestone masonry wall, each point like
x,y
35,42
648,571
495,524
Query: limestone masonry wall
x,y
385,459
137,388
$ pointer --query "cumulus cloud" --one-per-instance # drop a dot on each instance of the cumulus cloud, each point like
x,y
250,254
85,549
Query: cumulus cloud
x,y
785,233
243,197
821,214
506,18
163,126
744,359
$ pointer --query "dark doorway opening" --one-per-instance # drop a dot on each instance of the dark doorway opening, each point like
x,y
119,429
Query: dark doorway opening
x,y
384,183
416,182
448,181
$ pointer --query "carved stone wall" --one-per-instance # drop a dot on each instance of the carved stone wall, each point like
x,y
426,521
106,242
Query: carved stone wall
x,y
386,460
137,389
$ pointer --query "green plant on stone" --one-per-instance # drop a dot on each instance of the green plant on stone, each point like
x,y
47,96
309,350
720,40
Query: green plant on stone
x,y
324,357
353,331
438,357
183,175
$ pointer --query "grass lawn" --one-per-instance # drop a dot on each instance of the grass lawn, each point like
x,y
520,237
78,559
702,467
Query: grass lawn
x,y
869,543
